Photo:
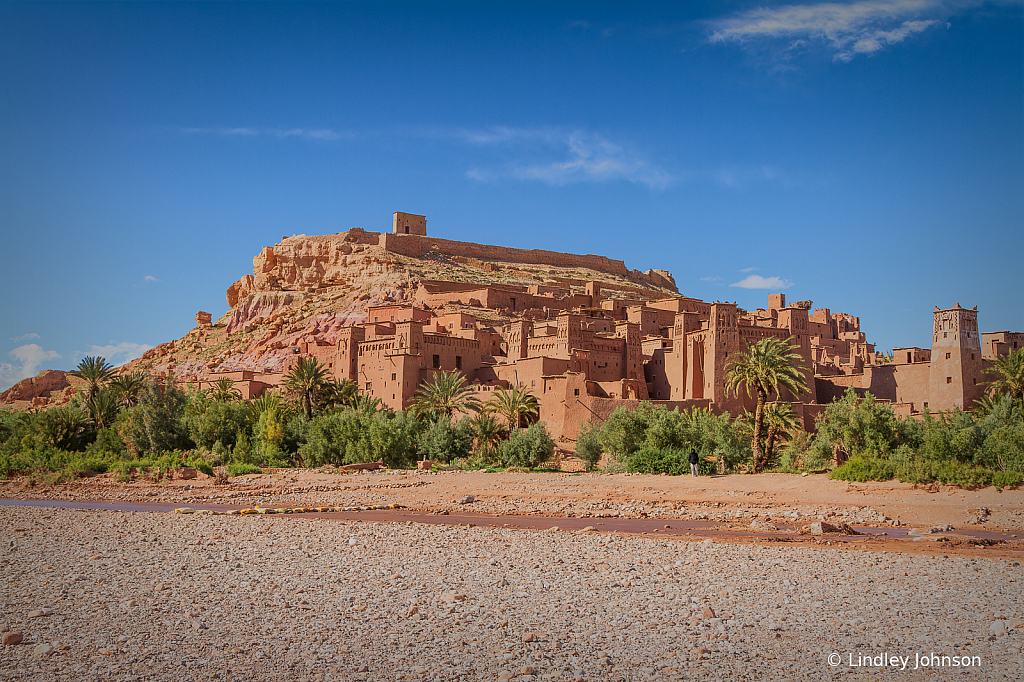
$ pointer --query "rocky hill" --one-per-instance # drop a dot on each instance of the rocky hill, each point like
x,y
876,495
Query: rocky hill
x,y
306,288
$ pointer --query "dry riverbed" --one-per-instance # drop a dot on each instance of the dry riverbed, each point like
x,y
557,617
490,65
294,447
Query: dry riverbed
x,y
101,595
738,498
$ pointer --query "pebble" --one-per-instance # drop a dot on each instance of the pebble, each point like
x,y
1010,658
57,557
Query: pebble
x,y
279,603
40,612
13,638
42,650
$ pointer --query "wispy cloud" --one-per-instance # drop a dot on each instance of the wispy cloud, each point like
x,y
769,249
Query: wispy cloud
x,y
749,269
27,359
25,337
553,155
150,278
711,279
560,156
323,134
847,29
118,353
759,282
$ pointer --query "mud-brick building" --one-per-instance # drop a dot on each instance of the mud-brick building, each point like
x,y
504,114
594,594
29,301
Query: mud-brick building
x,y
948,375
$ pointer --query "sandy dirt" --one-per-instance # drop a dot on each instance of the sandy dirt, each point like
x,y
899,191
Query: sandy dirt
x,y
731,502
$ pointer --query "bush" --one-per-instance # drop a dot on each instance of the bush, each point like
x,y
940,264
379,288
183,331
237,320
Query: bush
x,y
527,447
649,460
442,441
219,422
588,444
865,468
350,436
241,469
671,461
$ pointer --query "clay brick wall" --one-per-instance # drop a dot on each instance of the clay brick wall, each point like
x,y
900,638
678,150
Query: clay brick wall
x,y
416,246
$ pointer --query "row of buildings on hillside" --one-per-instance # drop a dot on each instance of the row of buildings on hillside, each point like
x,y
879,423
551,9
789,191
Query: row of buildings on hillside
x,y
585,353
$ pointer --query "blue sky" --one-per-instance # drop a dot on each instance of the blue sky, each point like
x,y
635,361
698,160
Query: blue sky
x,y
866,155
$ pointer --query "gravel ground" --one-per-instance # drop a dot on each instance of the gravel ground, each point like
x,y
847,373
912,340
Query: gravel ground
x,y
768,497
142,596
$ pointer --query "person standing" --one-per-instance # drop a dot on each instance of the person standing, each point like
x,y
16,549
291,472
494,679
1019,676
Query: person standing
x,y
693,461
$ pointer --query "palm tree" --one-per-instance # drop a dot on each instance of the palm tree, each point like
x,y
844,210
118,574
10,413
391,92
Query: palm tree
x,y
270,401
365,403
984,405
783,422
60,425
487,431
517,405
95,371
1009,372
344,393
307,379
223,390
762,369
127,388
444,395
103,408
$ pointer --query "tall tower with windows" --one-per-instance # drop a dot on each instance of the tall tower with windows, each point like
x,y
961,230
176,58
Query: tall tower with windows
x,y
955,375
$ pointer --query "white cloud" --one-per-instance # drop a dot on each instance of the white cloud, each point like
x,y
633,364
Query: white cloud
x,y
119,353
150,278
25,337
324,134
749,269
759,282
710,279
28,358
848,29
558,157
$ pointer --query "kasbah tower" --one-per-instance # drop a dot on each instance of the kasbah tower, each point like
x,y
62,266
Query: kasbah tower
x,y
956,366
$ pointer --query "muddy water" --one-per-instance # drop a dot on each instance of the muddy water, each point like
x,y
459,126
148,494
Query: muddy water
x,y
609,525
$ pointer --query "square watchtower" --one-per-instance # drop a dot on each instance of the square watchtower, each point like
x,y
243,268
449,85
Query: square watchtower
x,y
410,223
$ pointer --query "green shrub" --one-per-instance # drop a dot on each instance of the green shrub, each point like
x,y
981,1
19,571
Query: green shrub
x,y
588,444
671,461
1007,479
649,460
443,441
349,436
864,468
527,447
241,469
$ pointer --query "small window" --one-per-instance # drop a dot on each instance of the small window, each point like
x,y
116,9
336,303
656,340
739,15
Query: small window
x,y
437,362
926,406
575,391
394,376
947,356
458,362
975,382
972,356
369,386
949,380
945,334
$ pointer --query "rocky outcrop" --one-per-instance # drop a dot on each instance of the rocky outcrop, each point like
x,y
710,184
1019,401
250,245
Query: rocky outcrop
x,y
48,383
240,290
259,306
